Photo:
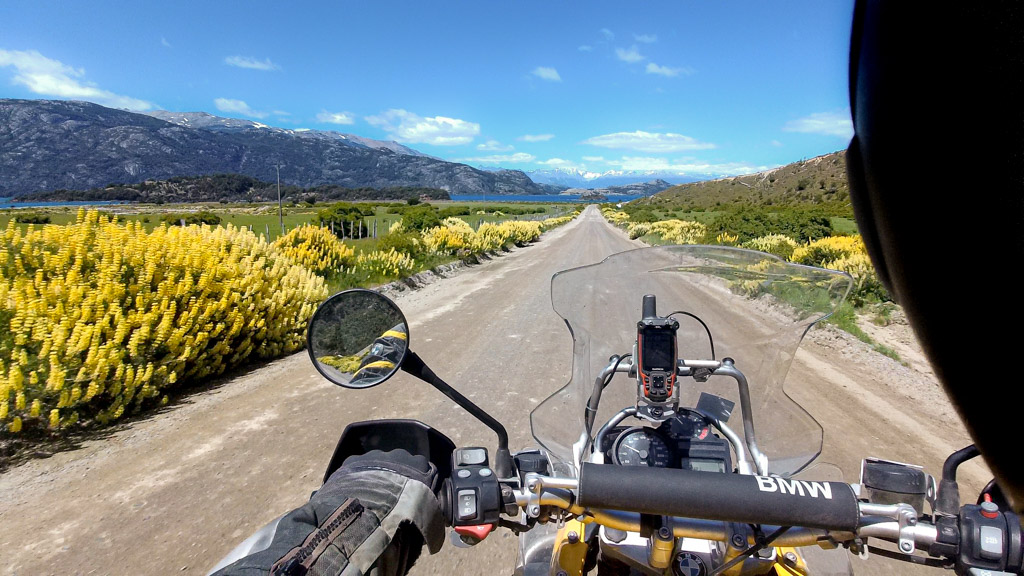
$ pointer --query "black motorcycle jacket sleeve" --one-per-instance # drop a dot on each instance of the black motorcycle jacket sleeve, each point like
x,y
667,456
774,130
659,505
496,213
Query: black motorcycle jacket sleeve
x,y
371,517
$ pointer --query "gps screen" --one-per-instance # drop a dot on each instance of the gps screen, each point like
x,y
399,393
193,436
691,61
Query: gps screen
x,y
658,350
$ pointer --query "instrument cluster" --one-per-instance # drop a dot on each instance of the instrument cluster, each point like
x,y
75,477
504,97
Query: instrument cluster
x,y
685,441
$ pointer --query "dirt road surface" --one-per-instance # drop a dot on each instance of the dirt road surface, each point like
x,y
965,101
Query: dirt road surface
x,y
174,492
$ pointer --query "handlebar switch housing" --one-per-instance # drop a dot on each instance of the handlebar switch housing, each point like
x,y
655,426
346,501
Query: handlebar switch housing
x,y
473,495
989,541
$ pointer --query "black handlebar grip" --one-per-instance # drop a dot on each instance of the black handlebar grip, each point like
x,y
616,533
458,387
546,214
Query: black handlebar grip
x,y
716,496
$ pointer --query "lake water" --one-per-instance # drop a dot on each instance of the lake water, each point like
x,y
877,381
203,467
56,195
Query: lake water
x,y
540,198
6,203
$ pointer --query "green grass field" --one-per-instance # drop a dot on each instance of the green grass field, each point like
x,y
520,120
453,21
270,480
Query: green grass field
x,y
263,218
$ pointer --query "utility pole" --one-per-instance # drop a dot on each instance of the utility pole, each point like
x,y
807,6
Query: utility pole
x,y
280,210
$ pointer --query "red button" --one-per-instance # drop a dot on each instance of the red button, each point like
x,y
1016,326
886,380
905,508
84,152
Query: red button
x,y
479,531
988,509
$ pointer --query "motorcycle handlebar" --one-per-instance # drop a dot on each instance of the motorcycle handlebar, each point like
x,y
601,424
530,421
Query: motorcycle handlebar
x,y
714,496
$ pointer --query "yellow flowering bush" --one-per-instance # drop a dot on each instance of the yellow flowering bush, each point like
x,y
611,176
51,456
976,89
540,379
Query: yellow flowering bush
x,y
453,235
727,239
638,229
778,244
101,317
616,217
680,231
316,248
828,249
491,237
846,254
522,232
343,363
866,285
550,223
385,263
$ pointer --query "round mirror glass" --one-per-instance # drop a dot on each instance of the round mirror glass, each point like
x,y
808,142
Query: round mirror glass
x,y
357,338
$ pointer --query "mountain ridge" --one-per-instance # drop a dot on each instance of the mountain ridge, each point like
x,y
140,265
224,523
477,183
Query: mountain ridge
x,y
75,145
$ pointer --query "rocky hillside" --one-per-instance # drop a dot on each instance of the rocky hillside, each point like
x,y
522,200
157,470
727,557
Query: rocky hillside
x,y
818,180
49,145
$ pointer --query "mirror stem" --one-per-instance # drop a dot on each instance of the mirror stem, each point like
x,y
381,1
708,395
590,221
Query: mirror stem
x,y
503,459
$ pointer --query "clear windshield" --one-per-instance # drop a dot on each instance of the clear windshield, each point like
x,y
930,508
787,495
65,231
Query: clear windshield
x,y
756,307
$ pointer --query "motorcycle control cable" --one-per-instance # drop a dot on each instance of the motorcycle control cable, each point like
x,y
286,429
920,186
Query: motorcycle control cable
x,y
711,340
590,412
760,545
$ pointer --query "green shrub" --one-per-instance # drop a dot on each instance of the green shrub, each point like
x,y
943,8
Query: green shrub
x,y
420,219
32,218
453,211
192,219
407,243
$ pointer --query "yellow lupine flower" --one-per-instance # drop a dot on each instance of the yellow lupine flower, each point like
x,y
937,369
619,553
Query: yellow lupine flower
x,y
87,297
778,244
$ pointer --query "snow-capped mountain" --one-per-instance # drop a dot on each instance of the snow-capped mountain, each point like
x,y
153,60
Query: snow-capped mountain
x,y
575,178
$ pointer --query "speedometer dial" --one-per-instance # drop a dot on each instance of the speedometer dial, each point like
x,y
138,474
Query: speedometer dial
x,y
641,447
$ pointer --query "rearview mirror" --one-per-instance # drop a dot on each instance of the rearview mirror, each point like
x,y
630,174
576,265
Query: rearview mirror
x,y
357,338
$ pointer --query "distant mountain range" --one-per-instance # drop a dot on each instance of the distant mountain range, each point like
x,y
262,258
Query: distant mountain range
x,y
575,178
637,189
71,145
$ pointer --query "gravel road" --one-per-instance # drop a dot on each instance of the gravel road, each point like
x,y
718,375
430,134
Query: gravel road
x,y
173,492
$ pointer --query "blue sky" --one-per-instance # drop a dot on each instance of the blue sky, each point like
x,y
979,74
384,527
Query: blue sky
x,y
703,88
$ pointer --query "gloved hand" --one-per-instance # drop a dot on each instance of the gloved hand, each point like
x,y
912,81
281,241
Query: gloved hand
x,y
398,461
372,516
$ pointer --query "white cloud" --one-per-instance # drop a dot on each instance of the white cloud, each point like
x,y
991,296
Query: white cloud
x,y
558,163
281,113
646,38
644,163
335,117
547,73
405,126
518,157
653,68
631,55
251,63
237,107
535,137
585,48
165,43
827,123
50,77
493,146
593,158
608,34
641,141
777,144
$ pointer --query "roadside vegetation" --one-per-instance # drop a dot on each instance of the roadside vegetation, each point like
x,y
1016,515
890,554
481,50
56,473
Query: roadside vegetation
x,y
100,318
804,233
